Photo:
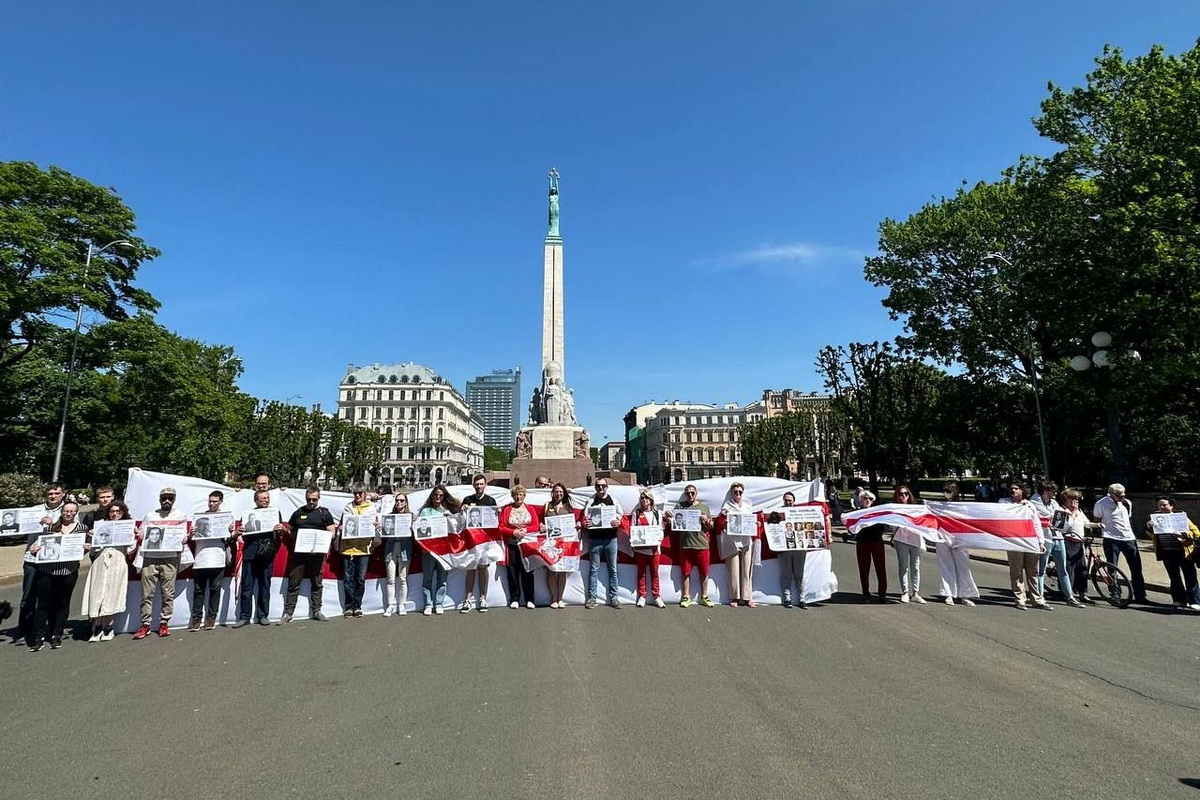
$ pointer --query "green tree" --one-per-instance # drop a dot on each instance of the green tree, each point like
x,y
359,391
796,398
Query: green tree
x,y
48,219
495,459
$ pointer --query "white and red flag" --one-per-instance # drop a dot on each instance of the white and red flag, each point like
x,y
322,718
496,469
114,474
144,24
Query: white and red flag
x,y
982,526
466,549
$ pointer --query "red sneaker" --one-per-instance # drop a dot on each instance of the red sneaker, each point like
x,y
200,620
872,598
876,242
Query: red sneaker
x,y
164,629
142,632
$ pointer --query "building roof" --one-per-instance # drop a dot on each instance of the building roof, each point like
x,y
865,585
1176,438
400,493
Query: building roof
x,y
399,374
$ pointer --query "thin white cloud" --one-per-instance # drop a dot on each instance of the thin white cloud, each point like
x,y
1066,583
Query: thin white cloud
x,y
777,259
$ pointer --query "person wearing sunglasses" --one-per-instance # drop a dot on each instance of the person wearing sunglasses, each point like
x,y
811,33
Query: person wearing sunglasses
x,y
647,559
397,554
693,547
908,552
737,550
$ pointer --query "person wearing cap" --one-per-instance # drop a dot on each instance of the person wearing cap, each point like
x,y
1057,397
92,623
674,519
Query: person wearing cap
x,y
159,570
693,547
869,549
602,543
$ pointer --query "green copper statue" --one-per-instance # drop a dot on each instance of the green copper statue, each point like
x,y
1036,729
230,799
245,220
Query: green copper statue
x,y
553,175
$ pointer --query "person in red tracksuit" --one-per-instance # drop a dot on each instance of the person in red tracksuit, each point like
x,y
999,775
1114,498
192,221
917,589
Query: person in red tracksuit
x,y
647,558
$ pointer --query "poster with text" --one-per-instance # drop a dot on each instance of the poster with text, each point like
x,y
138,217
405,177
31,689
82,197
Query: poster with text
x,y
645,535
562,526
1175,523
114,533
313,540
741,524
164,537
601,516
396,526
259,521
359,526
60,547
482,517
211,526
686,520
431,527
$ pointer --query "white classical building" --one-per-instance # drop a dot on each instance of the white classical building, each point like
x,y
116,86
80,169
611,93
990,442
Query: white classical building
x,y
433,435
697,441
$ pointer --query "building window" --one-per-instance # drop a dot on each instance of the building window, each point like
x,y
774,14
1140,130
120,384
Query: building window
x,y
441,413
390,411
428,413
362,412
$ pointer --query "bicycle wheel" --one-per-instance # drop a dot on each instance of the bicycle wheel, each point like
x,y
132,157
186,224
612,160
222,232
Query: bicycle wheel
x,y
1112,584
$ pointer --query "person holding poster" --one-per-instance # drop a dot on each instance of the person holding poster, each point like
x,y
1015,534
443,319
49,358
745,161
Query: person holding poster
x,y
1052,539
355,551
647,559
1177,552
53,584
260,543
208,572
559,505
1075,529
50,511
954,563
791,562
159,570
433,574
693,546
516,521
312,515
397,554
737,550
868,549
909,546
602,543
479,498
107,581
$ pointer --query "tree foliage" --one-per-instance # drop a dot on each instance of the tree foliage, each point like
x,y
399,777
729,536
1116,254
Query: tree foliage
x,y
48,219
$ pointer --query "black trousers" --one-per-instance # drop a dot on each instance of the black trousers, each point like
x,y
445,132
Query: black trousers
x,y
1182,574
206,580
52,596
520,580
28,604
301,566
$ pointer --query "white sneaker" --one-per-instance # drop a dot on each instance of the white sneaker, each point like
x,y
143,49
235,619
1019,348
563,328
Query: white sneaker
x,y
658,603
904,597
641,602
514,604
401,611
439,610
530,605
483,606
466,606
387,612
949,601
968,602
1194,606
428,611
95,635
918,599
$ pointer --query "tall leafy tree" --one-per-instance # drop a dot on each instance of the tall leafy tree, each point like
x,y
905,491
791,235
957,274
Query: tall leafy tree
x,y
48,219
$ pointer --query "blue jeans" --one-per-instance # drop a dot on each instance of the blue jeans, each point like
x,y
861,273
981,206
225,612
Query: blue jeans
x,y
608,549
354,581
1114,549
254,593
433,581
1056,549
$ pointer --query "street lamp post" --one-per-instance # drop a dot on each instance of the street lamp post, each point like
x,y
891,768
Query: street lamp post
x,y
1116,442
62,428
1033,379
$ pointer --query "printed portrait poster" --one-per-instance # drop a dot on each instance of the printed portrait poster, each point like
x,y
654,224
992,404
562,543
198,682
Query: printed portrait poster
x,y
396,526
114,533
741,524
686,520
358,526
164,536
211,526
258,521
431,527
601,516
645,535
60,547
10,522
803,528
562,526
312,540
482,517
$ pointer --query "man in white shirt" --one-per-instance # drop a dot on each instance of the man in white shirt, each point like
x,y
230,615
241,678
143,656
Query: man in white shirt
x,y
1114,512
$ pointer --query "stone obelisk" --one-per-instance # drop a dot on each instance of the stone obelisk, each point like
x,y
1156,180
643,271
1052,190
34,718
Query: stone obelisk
x,y
553,443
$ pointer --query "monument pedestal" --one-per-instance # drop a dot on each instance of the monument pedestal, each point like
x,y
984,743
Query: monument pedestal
x,y
557,451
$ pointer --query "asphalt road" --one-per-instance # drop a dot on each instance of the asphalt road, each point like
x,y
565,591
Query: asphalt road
x,y
839,701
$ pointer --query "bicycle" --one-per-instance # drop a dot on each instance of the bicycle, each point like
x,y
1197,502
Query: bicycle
x,y
1108,579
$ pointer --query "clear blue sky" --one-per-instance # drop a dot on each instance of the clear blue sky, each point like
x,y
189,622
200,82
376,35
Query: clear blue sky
x,y
375,171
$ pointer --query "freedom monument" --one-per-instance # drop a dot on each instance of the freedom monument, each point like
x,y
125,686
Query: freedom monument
x,y
553,442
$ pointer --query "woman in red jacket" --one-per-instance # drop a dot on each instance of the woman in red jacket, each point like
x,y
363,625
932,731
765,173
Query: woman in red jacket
x,y
517,520
647,558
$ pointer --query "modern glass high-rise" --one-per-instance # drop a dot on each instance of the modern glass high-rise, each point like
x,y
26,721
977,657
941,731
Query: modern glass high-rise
x,y
497,398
